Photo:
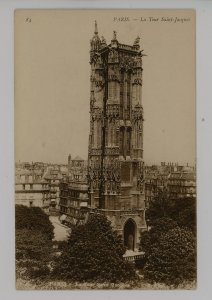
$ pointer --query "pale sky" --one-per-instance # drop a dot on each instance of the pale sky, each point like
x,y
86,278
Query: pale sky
x,y
52,85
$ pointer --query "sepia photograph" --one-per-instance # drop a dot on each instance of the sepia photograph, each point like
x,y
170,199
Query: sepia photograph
x,y
105,149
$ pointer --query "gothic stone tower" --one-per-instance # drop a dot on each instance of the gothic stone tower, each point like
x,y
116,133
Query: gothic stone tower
x,y
115,154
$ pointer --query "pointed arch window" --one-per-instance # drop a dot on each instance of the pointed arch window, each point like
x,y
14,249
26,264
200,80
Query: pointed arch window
x,y
128,142
122,141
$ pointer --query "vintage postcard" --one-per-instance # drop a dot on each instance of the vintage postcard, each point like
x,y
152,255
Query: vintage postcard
x,y
105,158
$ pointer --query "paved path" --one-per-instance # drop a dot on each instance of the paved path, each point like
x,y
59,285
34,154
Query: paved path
x,y
61,232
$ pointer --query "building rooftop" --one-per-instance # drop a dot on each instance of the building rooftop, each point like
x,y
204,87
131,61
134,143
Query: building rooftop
x,y
78,158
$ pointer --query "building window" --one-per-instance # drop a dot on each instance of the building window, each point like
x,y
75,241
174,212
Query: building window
x,y
128,141
30,203
23,186
121,141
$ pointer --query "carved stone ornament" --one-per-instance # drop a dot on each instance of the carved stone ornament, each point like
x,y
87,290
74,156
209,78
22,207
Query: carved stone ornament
x,y
137,41
103,41
138,62
99,83
127,63
113,56
112,111
112,151
140,180
96,60
113,77
95,151
137,81
96,113
137,113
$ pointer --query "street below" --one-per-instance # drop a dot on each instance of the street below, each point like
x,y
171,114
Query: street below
x,y
61,232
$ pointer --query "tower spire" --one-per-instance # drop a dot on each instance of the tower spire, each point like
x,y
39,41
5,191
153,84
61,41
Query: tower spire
x,y
96,29
95,42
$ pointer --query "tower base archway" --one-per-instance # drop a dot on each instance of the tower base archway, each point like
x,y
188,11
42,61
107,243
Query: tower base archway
x,y
129,234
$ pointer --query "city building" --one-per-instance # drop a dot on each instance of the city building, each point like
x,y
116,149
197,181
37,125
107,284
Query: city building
x,y
37,184
54,174
31,189
74,193
179,180
182,184
77,168
156,178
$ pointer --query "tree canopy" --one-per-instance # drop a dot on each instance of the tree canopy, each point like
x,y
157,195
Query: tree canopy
x,y
33,219
94,253
183,211
172,258
170,244
34,233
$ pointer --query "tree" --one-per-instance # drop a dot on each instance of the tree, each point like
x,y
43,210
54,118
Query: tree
x,y
152,237
94,253
34,247
169,245
34,219
159,207
182,211
172,258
